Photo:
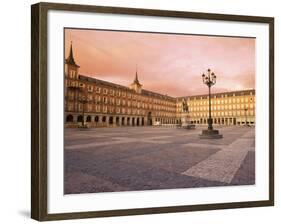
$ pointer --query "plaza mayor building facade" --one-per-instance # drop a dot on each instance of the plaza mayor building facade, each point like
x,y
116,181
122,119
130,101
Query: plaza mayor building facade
x,y
105,104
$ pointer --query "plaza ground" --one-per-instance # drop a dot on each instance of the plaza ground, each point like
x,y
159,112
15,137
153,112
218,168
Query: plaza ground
x,y
150,158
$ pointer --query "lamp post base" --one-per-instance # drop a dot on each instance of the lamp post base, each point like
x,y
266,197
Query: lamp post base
x,y
83,127
210,134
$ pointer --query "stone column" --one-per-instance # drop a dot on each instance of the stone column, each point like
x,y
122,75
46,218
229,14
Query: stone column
x,y
120,121
107,121
145,121
125,121
75,118
100,121
114,121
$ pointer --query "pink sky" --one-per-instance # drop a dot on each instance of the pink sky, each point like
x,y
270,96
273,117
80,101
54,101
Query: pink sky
x,y
167,63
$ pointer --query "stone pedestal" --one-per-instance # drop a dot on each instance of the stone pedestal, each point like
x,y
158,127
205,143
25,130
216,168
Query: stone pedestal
x,y
210,134
185,119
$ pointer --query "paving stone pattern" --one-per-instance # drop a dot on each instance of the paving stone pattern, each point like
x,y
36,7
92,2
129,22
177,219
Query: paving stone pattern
x,y
150,158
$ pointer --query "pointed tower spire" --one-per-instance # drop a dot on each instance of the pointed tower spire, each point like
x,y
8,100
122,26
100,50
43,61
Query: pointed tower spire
x,y
136,77
70,60
136,86
70,55
136,81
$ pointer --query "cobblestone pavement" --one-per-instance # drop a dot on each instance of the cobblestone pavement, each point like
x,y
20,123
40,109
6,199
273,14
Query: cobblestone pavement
x,y
146,158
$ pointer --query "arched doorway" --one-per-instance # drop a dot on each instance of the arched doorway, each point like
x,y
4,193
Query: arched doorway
x,y
96,119
110,120
80,118
89,119
123,120
142,121
104,119
117,121
138,121
133,121
69,118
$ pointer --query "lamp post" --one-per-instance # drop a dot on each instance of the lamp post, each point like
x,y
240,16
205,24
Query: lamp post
x,y
246,122
210,79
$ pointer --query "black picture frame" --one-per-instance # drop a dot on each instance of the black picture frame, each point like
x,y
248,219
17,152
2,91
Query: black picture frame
x,y
39,106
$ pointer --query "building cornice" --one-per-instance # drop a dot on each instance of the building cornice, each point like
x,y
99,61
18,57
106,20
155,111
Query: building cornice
x,y
162,96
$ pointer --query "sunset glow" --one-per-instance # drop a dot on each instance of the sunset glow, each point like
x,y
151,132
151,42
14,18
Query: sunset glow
x,y
166,63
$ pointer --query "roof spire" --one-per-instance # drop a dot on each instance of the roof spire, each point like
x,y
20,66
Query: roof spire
x,y
136,81
70,59
136,86
136,78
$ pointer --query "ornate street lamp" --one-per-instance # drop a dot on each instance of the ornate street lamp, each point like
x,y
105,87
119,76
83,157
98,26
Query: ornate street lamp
x,y
210,80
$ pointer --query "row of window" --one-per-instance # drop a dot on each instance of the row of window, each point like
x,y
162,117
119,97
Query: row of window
x,y
223,96
117,110
137,105
224,107
72,74
219,101
224,113
125,103
97,98
119,93
128,103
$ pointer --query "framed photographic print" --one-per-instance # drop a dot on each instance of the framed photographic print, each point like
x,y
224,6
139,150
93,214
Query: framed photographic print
x,y
139,111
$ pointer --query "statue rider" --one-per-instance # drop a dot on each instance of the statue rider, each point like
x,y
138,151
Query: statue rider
x,y
184,106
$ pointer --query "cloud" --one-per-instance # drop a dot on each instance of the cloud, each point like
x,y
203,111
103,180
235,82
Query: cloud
x,y
169,64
